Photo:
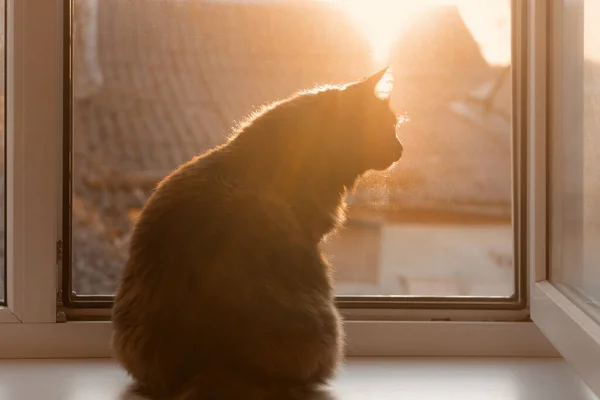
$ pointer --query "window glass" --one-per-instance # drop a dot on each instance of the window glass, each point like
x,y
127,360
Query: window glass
x,y
159,81
575,267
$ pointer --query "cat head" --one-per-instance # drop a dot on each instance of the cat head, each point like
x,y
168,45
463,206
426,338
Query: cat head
x,y
330,134
366,124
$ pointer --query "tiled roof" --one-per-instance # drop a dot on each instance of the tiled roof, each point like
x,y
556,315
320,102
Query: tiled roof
x,y
177,75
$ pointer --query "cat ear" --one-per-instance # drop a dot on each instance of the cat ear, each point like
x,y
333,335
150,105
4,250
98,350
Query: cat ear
x,y
373,80
380,83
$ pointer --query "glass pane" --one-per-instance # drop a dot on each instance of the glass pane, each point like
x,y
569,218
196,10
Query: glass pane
x,y
157,82
2,156
576,262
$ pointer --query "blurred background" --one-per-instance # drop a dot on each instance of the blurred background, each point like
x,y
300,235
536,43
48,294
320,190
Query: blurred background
x,y
159,81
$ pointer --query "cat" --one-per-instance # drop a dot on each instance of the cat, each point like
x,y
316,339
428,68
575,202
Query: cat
x,y
226,294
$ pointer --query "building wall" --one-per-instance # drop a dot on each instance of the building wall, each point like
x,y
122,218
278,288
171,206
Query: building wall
x,y
426,259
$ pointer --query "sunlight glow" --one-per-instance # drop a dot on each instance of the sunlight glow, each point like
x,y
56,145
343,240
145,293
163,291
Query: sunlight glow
x,y
384,20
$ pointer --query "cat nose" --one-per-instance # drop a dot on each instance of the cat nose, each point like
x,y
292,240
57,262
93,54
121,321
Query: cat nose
x,y
399,149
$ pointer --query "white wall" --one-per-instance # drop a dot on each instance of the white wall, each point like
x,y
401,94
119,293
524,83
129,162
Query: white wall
x,y
441,260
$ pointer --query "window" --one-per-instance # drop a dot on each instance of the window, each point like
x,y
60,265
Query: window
x,y
157,82
62,240
565,101
576,145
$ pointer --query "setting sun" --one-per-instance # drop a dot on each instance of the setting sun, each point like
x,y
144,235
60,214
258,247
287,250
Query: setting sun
x,y
383,21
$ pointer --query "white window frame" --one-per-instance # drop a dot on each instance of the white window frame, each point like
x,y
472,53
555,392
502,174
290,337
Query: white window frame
x,y
574,334
34,123
29,327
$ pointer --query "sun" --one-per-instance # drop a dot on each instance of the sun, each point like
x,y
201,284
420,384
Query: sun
x,y
382,21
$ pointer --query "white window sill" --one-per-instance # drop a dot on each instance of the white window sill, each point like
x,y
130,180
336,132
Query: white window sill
x,y
360,379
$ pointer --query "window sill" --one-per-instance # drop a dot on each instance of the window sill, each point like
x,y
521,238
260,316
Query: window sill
x,y
364,338
360,378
